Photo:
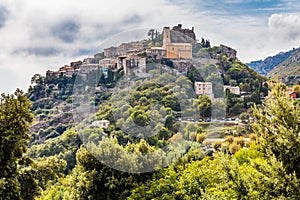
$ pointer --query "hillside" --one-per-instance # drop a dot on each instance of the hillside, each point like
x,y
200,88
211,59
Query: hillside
x,y
135,127
288,71
52,95
265,66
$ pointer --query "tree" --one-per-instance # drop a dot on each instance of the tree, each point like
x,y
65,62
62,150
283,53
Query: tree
x,y
296,89
37,79
278,128
244,117
20,177
204,106
92,179
15,120
151,33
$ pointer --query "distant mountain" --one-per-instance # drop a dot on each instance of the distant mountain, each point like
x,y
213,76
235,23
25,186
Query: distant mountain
x,y
289,70
265,66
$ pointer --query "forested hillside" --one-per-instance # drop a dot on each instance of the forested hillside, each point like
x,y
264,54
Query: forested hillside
x,y
265,168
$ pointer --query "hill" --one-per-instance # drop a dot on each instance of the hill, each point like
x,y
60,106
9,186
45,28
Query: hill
x,y
149,105
265,66
289,70
53,95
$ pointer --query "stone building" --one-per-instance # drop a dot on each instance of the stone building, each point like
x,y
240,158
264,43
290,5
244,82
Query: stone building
x,y
234,90
131,62
188,32
110,52
179,51
156,52
101,124
204,88
50,73
89,61
108,63
122,49
175,50
76,64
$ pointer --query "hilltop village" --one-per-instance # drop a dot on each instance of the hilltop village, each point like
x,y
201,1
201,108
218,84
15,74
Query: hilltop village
x,y
178,46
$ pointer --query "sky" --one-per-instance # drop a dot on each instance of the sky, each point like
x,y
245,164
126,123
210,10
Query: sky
x,y
39,35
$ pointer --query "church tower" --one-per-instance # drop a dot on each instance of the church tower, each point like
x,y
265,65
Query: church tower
x,y
166,36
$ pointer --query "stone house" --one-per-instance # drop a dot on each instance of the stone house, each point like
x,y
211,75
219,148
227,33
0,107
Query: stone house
x,y
204,88
156,52
235,90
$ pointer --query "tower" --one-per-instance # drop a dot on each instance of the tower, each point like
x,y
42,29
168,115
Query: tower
x,y
166,36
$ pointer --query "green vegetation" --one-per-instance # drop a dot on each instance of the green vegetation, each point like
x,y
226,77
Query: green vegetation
x,y
20,176
156,38
157,143
263,168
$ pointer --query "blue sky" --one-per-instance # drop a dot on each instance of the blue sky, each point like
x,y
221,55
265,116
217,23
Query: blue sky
x,y
244,7
39,35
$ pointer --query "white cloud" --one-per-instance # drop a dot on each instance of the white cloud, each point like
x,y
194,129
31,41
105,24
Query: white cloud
x,y
285,26
39,35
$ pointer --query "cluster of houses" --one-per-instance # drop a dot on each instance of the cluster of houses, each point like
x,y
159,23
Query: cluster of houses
x,y
206,88
134,55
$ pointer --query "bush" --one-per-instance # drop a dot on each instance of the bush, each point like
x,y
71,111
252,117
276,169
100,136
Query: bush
x,y
245,117
234,147
240,141
200,137
252,137
217,145
192,136
229,139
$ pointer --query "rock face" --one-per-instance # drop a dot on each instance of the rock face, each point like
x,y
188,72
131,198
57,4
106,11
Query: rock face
x,y
265,66
228,51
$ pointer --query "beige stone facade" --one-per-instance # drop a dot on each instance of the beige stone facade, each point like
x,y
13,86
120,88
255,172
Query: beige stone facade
x,y
234,90
175,50
204,88
179,51
156,52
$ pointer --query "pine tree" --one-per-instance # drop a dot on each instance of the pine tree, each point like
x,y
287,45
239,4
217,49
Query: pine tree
x,y
278,128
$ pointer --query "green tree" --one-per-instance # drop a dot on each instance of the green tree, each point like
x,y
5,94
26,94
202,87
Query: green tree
x,y
244,117
278,128
20,177
205,106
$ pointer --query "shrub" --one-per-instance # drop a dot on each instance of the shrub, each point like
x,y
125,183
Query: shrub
x,y
229,139
200,137
240,141
192,136
217,145
234,147
252,137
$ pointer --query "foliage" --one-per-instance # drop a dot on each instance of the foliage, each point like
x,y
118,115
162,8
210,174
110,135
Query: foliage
x,y
20,177
63,147
278,128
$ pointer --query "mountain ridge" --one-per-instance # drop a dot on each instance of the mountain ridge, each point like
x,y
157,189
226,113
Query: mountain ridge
x,y
268,64
289,70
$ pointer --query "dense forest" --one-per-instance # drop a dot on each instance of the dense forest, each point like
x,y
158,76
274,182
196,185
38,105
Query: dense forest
x,y
266,168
